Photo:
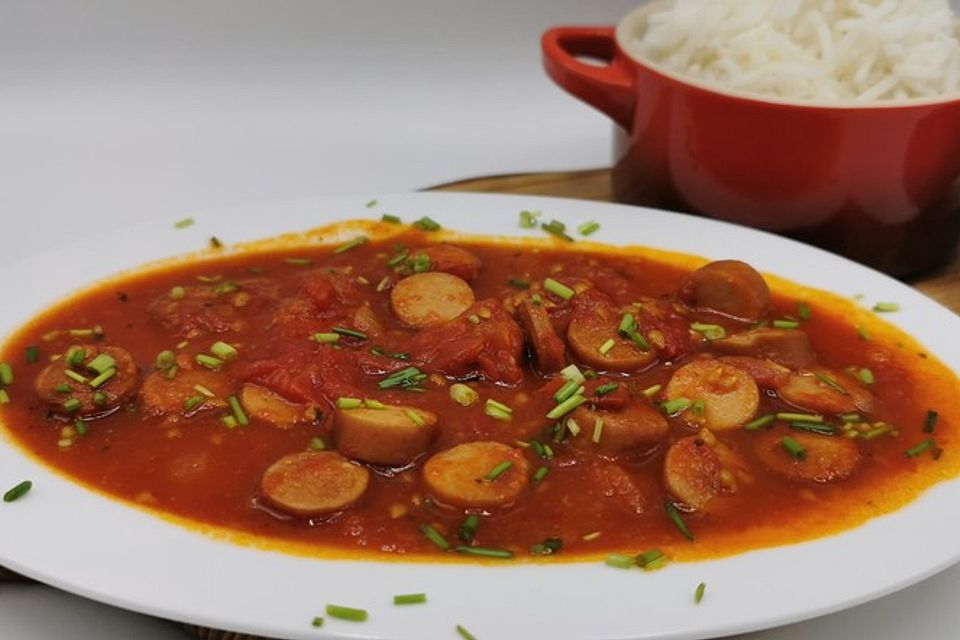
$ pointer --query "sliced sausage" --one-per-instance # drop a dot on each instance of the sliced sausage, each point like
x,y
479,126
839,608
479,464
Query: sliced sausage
x,y
458,476
271,407
453,260
728,287
389,436
788,347
54,387
428,298
636,426
812,390
163,396
730,396
767,374
827,459
314,483
548,348
691,472
591,328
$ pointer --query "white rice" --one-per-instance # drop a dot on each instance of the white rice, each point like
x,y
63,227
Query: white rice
x,y
824,50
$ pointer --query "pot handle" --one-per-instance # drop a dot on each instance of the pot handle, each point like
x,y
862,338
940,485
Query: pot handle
x,y
609,87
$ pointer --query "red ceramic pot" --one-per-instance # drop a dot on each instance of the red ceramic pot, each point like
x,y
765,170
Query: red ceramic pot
x,y
879,183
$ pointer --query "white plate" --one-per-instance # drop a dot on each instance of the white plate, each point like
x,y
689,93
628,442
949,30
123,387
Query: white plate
x,y
79,541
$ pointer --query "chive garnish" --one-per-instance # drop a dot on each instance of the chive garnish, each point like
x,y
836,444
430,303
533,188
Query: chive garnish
x,y
468,529
675,406
572,372
566,407
760,422
32,354
799,417
434,536
568,389
540,474
883,429
63,387
415,417
619,561
484,552
184,223
348,403
347,613
814,427
352,244
886,307
208,361
426,223
349,333
528,219
99,398
390,218
298,262
165,360
558,289
193,402
397,259
556,229
317,622
325,338
709,331
4,397
499,470
229,422
590,537
102,363
597,431
548,547
916,450
604,389
238,412
76,356
698,594
674,514
588,228
863,333
606,346
930,422
803,310
317,444
650,560
866,375
652,390
215,243
519,284
497,410
73,375
71,404
18,491
699,406
830,382
785,324
466,635
80,333
405,379
792,447
102,378
410,598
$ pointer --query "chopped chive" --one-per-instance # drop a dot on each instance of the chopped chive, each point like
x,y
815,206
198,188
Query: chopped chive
x,y
930,422
798,417
590,537
405,379
559,431
536,299
540,449
215,243
497,410
202,390
317,622
785,324
224,288
193,402
73,375
830,382
415,417
102,378
348,403
548,547
597,431
474,318
298,262
419,263
223,351
468,529
317,444
71,404
675,406
709,331
172,372
886,307
463,395
352,244
230,422
32,354
434,536
370,403
76,356
18,491
427,223
397,259
698,594
63,387
371,204
863,333
238,412
556,229
606,346
650,560
604,389
803,310
384,284
558,289
588,228
793,447
674,514
619,561
347,613
851,417
392,219
178,293
528,219
627,324
410,598
499,470
102,363
4,397
814,427
916,450
540,474
349,333
568,389
573,427
572,372
165,360
466,635
183,224
566,407
208,361
867,376
99,399
652,391
484,552
883,429
325,338
698,407
519,284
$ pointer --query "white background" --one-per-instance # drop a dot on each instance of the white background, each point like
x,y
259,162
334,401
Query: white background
x,y
116,111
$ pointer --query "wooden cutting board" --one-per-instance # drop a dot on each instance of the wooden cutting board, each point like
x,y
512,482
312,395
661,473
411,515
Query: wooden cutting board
x,y
943,285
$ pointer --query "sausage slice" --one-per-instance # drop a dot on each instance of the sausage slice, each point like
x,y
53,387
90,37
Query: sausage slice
x,y
271,407
163,396
730,396
453,260
388,436
54,387
812,390
636,426
828,458
728,287
590,328
547,345
458,476
787,347
428,298
691,472
314,483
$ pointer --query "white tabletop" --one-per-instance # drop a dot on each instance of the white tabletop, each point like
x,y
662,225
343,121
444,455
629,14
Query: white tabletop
x,y
118,110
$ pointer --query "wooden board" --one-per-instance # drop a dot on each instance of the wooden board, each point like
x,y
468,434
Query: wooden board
x,y
943,285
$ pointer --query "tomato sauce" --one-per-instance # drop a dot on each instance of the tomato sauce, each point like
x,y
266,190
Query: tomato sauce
x,y
266,303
